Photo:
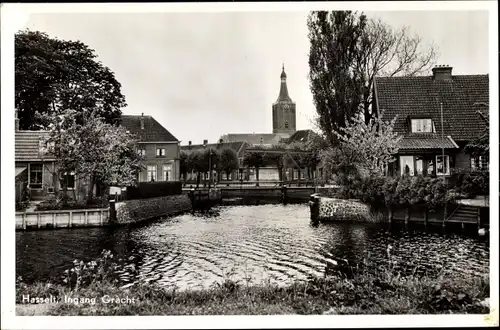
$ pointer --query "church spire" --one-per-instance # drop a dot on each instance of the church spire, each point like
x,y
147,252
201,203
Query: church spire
x,y
283,96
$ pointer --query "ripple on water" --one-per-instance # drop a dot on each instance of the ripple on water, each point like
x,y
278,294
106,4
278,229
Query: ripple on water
x,y
273,243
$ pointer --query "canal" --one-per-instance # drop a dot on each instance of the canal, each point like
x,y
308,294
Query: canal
x,y
249,244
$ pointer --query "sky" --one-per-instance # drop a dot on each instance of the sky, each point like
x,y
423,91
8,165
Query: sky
x,y
202,75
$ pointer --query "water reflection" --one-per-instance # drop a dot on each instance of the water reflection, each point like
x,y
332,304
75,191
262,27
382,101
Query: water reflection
x,y
248,243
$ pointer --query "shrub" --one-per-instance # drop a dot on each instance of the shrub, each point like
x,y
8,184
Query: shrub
x,y
380,191
473,183
154,189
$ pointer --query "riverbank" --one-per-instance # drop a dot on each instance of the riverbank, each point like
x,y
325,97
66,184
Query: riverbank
x,y
383,293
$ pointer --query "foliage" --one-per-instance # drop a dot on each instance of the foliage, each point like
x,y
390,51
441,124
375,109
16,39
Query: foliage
x,y
347,51
183,163
363,149
154,189
228,160
95,151
22,205
70,204
387,52
381,191
336,85
254,159
475,183
53,75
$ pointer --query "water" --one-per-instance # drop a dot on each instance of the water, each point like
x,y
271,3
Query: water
x,y
249,244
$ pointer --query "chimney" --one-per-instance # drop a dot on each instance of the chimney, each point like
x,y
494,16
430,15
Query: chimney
x,y
142,120
190,143
442,72
16,121
205,142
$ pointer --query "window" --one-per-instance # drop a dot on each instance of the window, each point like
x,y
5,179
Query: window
x,y
407,166
419,165
68,179
160,152
286,123
35,176
479,163
422,126
141,152
443,167
167,172
430,167
151,173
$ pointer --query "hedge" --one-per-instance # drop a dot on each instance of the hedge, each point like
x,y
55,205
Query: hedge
x,y
154,189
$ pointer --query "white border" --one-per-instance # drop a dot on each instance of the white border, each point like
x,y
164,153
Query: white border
x,y
14,17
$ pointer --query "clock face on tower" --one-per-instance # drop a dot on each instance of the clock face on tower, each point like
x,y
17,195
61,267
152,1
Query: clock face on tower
x,y
286,107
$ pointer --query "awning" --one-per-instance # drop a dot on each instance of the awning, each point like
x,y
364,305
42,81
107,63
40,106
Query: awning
x,y
427,143
20,170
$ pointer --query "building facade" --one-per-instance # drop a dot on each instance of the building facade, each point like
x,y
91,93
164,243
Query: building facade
x,y
158,147
437,116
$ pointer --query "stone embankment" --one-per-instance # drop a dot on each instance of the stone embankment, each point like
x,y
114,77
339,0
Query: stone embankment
x,y
134,211
326,208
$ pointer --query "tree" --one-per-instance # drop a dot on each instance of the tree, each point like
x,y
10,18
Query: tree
x,y
228,161
254,160
365,149
336,85
53,75
183,164
387,52
347,51
97,152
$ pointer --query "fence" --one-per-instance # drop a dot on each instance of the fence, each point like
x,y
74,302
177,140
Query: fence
x,y
62,218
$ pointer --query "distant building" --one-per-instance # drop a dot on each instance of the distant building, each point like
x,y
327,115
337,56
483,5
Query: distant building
x,y
284,121
418,102
160,149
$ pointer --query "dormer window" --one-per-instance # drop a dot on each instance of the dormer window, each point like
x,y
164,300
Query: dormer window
x,y
422,126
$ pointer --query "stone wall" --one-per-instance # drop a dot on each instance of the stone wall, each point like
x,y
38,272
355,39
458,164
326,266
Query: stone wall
x,y
145,209
342,209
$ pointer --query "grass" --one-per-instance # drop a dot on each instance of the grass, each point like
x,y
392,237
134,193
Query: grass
x,y
381,293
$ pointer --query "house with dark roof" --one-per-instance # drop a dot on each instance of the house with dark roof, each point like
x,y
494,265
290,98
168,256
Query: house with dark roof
x,y
437,116
36,170
159,148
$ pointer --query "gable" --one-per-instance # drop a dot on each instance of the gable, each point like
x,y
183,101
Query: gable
x,y
153,131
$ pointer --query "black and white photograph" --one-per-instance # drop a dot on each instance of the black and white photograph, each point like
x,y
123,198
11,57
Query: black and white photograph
x,y
258,160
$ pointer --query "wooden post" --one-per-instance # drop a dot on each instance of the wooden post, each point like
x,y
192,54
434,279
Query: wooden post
x,y
407,216
24,221
86,218
478,218
70,219
38,220
426,215
54,220
314,208
391,215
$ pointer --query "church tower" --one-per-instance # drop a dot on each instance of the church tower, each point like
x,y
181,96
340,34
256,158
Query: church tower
x,y
284,110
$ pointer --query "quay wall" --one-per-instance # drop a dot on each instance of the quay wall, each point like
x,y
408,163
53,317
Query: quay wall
x,y
138,210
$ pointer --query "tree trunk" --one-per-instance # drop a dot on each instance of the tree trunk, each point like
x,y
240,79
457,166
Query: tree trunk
x,y
91,189
198,179
257,176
